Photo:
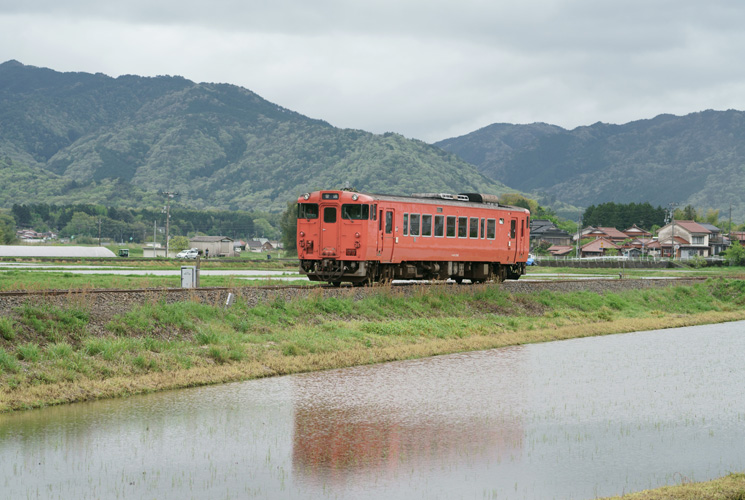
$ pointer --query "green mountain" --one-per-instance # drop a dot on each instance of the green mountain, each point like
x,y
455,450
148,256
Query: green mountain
x,y
697,159
84,138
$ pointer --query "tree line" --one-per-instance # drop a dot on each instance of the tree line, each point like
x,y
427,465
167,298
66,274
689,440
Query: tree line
x,y
140,225
624,215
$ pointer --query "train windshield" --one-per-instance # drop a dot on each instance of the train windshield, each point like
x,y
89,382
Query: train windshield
x,y
307,211
355,212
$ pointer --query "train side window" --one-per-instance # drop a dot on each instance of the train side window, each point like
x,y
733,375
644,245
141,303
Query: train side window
x,y
307,211
512,228
389,222
406,225
380,221
491,229
522,228
501,221
374,212
483,232
462,227
474,227
414,224
439,226
451,226
426,225
329,214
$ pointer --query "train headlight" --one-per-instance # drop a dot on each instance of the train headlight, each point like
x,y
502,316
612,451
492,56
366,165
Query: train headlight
x,y
306,196
356,235
354,197
302,234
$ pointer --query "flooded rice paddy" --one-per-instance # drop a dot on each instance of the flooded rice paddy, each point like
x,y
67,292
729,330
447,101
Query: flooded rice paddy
x,y
574,419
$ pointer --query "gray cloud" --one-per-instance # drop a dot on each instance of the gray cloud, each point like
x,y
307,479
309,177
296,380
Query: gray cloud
x,y
429,70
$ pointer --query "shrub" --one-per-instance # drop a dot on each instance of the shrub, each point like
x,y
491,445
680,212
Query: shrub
x,y
7,328
28,352
7,362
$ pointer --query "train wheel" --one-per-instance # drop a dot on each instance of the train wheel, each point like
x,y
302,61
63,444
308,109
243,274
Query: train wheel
x,y
335,284
458,280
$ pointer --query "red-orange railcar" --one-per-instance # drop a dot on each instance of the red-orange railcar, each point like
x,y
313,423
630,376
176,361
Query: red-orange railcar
x,y
345,236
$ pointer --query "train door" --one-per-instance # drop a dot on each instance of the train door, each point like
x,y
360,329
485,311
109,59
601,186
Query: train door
x,y
514,243
329,230
386,234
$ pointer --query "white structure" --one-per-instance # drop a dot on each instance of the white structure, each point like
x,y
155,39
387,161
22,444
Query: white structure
x,y
54,251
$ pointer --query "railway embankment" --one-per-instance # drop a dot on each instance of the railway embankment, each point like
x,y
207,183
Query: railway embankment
x,y
61,347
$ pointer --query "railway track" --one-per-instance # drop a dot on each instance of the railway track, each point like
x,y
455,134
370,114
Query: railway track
x,y
507,284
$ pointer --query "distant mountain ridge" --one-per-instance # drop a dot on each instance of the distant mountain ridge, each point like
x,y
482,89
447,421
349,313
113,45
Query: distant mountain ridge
x,y
697,159
80,137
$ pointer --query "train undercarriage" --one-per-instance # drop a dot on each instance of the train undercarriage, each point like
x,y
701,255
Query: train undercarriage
x,y
361,273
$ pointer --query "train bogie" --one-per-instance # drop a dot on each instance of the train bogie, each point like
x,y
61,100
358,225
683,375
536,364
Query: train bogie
x,y
345,236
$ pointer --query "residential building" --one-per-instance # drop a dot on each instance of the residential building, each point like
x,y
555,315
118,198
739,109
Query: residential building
x,y
690,239
597,248
718,243
637,232
562,250
545,230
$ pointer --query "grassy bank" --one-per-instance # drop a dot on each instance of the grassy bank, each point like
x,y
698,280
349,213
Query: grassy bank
x,y
52,355
731,487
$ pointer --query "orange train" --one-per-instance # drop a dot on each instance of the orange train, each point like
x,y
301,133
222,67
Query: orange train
x,y
346,236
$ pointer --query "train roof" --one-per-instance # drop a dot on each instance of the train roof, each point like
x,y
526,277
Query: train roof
x,y
475,200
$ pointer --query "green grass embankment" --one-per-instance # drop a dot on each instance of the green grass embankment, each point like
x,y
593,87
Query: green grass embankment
x,y
730,487
52,355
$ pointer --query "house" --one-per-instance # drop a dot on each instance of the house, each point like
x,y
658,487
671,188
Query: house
x,y
218,246
689,239
737,236
561,250
636,232
609,233
638,247
253,245
597,248
545,230
718,243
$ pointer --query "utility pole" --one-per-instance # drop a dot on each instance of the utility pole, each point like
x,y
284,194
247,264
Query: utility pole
x,y
672,237
155,230
99,231
167,209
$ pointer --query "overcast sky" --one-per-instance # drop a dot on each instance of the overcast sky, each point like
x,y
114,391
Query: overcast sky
x,y
426,69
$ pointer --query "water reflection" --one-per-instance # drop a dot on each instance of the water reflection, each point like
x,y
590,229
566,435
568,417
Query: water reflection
x,y
376,421
573,419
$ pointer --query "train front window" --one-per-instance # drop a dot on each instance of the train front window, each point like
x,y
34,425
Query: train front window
x,y
355,212
307,210
329,214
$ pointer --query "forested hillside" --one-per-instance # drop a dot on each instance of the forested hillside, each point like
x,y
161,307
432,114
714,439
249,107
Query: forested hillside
x,y
83,138
697,160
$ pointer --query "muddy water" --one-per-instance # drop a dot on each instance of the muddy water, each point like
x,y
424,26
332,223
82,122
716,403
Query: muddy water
x,y
574,419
